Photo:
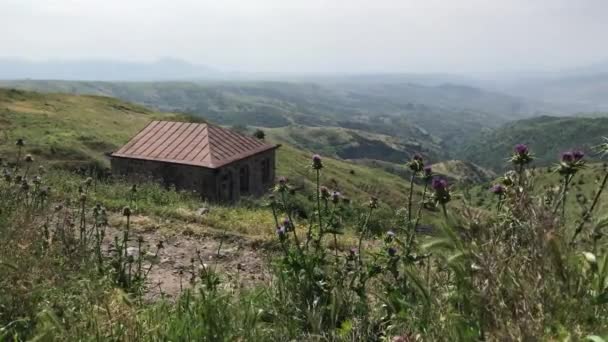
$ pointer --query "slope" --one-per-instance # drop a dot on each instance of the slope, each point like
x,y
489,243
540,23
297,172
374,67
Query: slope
x,y
545,135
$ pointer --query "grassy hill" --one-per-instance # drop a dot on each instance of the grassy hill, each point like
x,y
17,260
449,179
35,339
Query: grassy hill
x,y
71,130
545,135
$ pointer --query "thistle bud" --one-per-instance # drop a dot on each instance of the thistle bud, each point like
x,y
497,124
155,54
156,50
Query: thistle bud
x,y
317,163
29,158
20,142
373,203
126,211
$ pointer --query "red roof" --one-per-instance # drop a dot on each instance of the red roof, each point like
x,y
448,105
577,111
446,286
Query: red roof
x,y
197,144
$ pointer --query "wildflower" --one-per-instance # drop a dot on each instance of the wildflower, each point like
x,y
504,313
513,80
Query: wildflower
x,y
28,158
442,192
416,164
392,251
287,224
497,189
335,197
352,254
522,155
373,203
282,187
20,143
439,184
571,162
427,173
324,192
126,211
317,163
521,149
281,232
390,236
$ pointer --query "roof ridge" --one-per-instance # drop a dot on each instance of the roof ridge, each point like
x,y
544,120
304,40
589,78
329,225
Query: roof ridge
x,y
199,144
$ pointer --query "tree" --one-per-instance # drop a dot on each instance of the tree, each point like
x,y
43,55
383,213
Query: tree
x,y
259,134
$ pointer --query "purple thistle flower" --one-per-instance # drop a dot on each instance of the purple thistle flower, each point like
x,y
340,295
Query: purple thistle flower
x,y
392,251
281,231
353,251
439,184
417,157
317,163
521,149
578,155
428,170
567,157
497,189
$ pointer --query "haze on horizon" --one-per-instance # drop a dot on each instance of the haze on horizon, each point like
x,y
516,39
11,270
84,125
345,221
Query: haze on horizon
x,y
313,35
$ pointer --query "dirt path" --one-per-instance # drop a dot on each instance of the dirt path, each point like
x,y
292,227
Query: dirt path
x,y
240,261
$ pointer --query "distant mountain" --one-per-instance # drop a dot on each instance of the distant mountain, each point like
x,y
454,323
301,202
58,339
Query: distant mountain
x,y
546,136
103,70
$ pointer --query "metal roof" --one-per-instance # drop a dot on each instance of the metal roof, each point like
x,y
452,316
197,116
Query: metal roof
x,y
197,144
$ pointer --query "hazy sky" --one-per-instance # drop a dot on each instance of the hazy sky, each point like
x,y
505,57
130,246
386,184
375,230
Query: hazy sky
x,y
314,35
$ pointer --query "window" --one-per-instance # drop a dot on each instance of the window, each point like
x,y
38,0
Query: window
x,y
244,179
265,170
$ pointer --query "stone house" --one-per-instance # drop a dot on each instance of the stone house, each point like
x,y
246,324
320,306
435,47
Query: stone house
x,y
220,164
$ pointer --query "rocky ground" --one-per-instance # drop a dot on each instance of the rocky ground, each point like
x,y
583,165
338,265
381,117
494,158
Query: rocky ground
x,y
238,260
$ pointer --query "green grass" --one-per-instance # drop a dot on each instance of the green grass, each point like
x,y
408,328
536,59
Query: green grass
x,y
69,130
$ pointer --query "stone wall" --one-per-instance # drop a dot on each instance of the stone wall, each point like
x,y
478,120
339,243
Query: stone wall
x,y
226,184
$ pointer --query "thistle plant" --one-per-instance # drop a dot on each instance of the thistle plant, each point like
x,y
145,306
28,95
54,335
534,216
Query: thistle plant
x,y
520,158
602,150
416,165
571,162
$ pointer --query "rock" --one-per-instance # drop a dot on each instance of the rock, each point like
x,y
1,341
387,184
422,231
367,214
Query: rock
x,y
202,211
132,251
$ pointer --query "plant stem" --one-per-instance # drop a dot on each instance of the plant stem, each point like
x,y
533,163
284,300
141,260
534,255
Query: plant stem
x,y
590,211
418,216
363,231
319,201
409,203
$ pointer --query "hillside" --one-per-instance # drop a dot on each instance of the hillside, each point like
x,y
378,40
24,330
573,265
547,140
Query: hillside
x,y
70,130
463,172
354,144
443,113
545,135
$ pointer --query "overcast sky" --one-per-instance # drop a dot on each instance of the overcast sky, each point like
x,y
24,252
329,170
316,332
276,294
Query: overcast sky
x,y
314,35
